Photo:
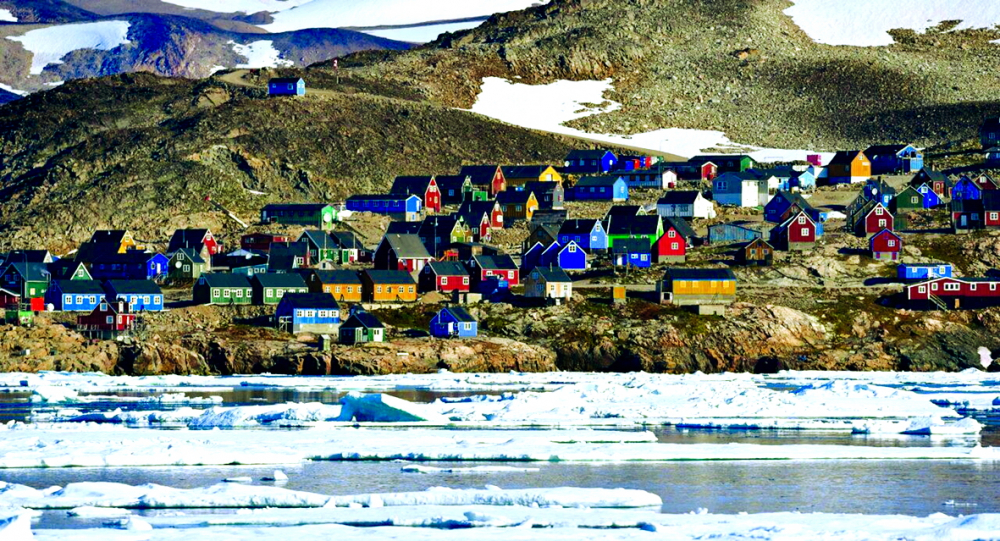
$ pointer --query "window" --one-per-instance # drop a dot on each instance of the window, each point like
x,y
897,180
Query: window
x,y
239,293
68,299
378,289
891,244
644,257
280,293
111,319
878,211
269,292
993,287
972,287
510,275
934,287
994,215
93,299
310,313
465,280
215,293
671,234
409,289
881,223
952,287
802,219
572,248
922,289
300,313
349,288
720,186
145,300
914,200
674,246
388,289
444,280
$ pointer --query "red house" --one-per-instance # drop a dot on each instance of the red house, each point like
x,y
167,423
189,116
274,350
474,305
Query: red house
x,y
445,276
9,298
401,252
877,219
956,293
795,234
500,267
709,171
672,246
986,182
886,245
487,214
424,187
261,242
200,240
107,321
485,177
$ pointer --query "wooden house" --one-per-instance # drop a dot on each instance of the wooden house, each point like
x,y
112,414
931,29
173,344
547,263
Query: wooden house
x,y
517,205
121,238
131,265
28,256
288,257
908,200
30,280
672,246
631,252
9,299
222,288
685,204
455,189
700,171
931,199
548,283
885,246
342,285
876,189
482,217
74,295
797,233
402,252
454,322
532,257
68,269
633,162
744,189
590,162
241,261
707,290
955,293
109,321
501,268
732,233
656,177
785,204
519,175
404,207
727,163
544,234
424,187
320,245
488,178
141,295
589,234
568,257
439,233
895,159
200,240
185,265
261,242
445,276
938,181
549,195
802,181
320,215
605,188
316,313
874,219
648,228
361,327
924,271
388,286
756,252
269,288
986,183
966,189
966,215
849,167
286,86
351,249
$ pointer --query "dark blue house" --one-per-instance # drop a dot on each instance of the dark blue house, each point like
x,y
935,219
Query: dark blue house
x,y
608,188
931,199
142,295
587,233
590,161
880,191
924,271
966,190
308,312
454,321
532,258
568,257
132,265
777,209
634,252
74,295
286,86
895,159
403,205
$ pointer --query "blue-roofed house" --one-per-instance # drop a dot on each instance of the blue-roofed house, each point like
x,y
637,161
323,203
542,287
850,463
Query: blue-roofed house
x,y
308,313
590,161
609,188
895,159
454,322
924,271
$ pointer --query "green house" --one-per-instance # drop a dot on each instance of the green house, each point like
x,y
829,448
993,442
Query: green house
x,y
269,288
727,163
19,316
30,279
361,328
69,269
907,200
322,247
649,228
319,215
222,288
186,265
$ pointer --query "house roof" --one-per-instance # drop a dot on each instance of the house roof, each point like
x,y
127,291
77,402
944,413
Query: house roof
x,y
63,268
319,301
549,230
346,240
479,174
381,197
136,287
337,277
495,262
579,226
448,268
882,150
475,209
681,225
460,314
411,185
80,287
587,154
225,280
523,171
541,187
624,211
187,238
794,199
284,80
362,319
299,207
844,157
389,276
403,228
637,225
933,176
191,254
553,274
109,235
685,197
451,182
409,246
630,246
607,181
699,274
31,272
317,238
30,256
271,279
885,232
514,197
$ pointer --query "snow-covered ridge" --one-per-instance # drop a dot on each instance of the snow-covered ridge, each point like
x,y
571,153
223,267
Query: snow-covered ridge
x,y
866,23
260,54
48,45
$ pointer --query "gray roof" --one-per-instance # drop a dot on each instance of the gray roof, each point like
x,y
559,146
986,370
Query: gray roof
x,y
134,287
225,280
317,238
448,268
337,276
685,197
578,226
389,276
279,280
411,185
191,254
495,262
80,287
31,272
554,274
362,319
681,225
630,246
321,301
409,246
602,181
461,314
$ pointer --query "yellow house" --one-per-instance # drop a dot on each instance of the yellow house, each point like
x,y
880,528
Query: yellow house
x,y
518,175
707,289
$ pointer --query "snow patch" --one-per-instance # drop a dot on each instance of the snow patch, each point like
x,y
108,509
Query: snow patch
x,y
48,45
7,16
16,527
278,415
260,54
423,33
12,90
865,23
383,408
89,511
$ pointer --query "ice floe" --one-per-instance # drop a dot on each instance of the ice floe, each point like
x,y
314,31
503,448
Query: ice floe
x,y
48,45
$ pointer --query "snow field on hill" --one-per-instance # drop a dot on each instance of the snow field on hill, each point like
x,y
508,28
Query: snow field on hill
x,y
48,45
260,54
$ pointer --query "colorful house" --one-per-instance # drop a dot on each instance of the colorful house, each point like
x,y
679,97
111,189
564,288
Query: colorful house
x,y
550,195
609,188
631,252
908,200
685,204
966,189
548,283
955,293
388,286
361,328
288,257
286,86
445,276
569,257
200,240
131,265
30,280
109,321
406,207
488,178
802,181
648,228
589,234
878,190
455,189
269,288
74,295
222,288
924,271
744,189
318,215
68,269
261,242
874,220
938,181
342,285
894,159
692,171
797,233
402,252
931,199
727,163
482,217
784,204
502,268
532,257
657,177
590,162
967,215
756,252
141,295
519,175
672,246
885,246
454,322
708,290
185,265
351,249
517,205
316,313
986,183
120,238
424,187
849,167
732,233
320,244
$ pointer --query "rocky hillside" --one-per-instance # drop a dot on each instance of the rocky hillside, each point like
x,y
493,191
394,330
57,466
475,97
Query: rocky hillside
x,y
742,67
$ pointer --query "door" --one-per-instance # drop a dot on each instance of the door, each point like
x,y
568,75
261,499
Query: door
x,y
963,221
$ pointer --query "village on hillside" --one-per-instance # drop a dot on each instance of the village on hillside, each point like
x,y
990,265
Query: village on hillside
x,y
599,227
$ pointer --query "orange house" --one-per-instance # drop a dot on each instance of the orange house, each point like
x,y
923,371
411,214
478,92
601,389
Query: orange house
x,y
848,167
388,286
344,285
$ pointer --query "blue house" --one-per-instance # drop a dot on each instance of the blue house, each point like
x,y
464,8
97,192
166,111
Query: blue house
x,y
142,295
131,265
286,86
74,295
454,321
804,181
966,190
408,206
779,208
532,258
590,161
634,252
880,191
894,159
931,199
571,257
587,233
608,188
924,271
308,312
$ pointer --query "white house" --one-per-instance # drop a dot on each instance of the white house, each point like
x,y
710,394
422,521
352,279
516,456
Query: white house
x,y
548,283
740,189
685,204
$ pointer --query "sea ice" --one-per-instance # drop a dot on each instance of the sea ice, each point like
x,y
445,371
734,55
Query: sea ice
x,y
48,45
383,408
15,527
97,512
